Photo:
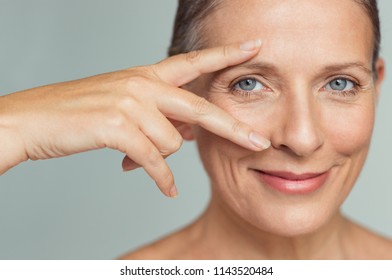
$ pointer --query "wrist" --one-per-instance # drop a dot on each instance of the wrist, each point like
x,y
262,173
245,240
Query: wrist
x,y
11,149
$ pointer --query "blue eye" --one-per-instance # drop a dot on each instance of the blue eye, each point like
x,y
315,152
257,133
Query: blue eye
x,y
340,84
249,84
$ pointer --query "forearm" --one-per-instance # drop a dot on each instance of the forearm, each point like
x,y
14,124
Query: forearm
x,y
12,150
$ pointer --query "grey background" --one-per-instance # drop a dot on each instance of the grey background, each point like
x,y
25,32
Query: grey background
x,y
84,206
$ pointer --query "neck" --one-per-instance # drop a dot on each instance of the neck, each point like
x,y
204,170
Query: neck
x,y
220,225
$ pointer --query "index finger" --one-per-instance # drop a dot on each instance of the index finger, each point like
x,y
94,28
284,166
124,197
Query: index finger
x,y
184,68
184,106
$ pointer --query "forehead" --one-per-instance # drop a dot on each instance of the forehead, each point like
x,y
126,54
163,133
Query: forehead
x,y
317,27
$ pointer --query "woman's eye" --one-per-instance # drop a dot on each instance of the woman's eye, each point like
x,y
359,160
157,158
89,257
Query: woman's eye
x,y
249,84
340,84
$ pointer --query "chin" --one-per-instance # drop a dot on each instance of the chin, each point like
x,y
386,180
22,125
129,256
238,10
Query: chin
x,y
283,217
293,224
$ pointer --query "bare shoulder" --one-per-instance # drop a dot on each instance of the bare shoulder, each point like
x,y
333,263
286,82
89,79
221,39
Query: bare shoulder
x,y
158,250
370,245
179,245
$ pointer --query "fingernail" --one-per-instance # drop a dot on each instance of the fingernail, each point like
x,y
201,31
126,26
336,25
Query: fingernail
x,y
259,141
250,45
173,192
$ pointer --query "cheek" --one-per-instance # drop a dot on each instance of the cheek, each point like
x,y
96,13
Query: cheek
x,y
349,129
222,158
220,155
217,154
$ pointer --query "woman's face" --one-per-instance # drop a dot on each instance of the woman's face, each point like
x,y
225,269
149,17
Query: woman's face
x,y
310,91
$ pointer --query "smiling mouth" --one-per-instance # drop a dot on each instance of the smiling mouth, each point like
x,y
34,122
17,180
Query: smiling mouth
x,y
290,183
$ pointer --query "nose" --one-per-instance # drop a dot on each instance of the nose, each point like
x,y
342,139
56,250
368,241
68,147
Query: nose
x,y
298,130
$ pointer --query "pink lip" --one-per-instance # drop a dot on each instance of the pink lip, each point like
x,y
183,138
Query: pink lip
x,y
291,183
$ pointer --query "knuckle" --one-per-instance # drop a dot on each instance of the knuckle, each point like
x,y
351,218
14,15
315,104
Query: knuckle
x,y
173,145
154,69
193,56
201,106
136,82
125,103
116,120
140,87
226,51
177,142
237,127
119,114
153,157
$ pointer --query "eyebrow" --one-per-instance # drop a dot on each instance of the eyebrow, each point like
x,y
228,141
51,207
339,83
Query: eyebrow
x,y
342,66
264,66
272,69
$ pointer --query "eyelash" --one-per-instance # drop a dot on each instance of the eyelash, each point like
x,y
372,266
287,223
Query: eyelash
x,y
344,93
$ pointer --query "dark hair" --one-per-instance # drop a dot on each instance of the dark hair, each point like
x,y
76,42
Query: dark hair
x,y
190,22
371,9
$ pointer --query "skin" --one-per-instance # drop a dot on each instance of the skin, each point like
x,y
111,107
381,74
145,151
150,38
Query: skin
x,y
312,129
111,111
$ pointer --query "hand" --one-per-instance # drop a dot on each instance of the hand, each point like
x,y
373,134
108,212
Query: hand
x,y
135,111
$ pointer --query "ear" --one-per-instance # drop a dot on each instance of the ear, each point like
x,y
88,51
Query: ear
x,y
186,131
380,74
